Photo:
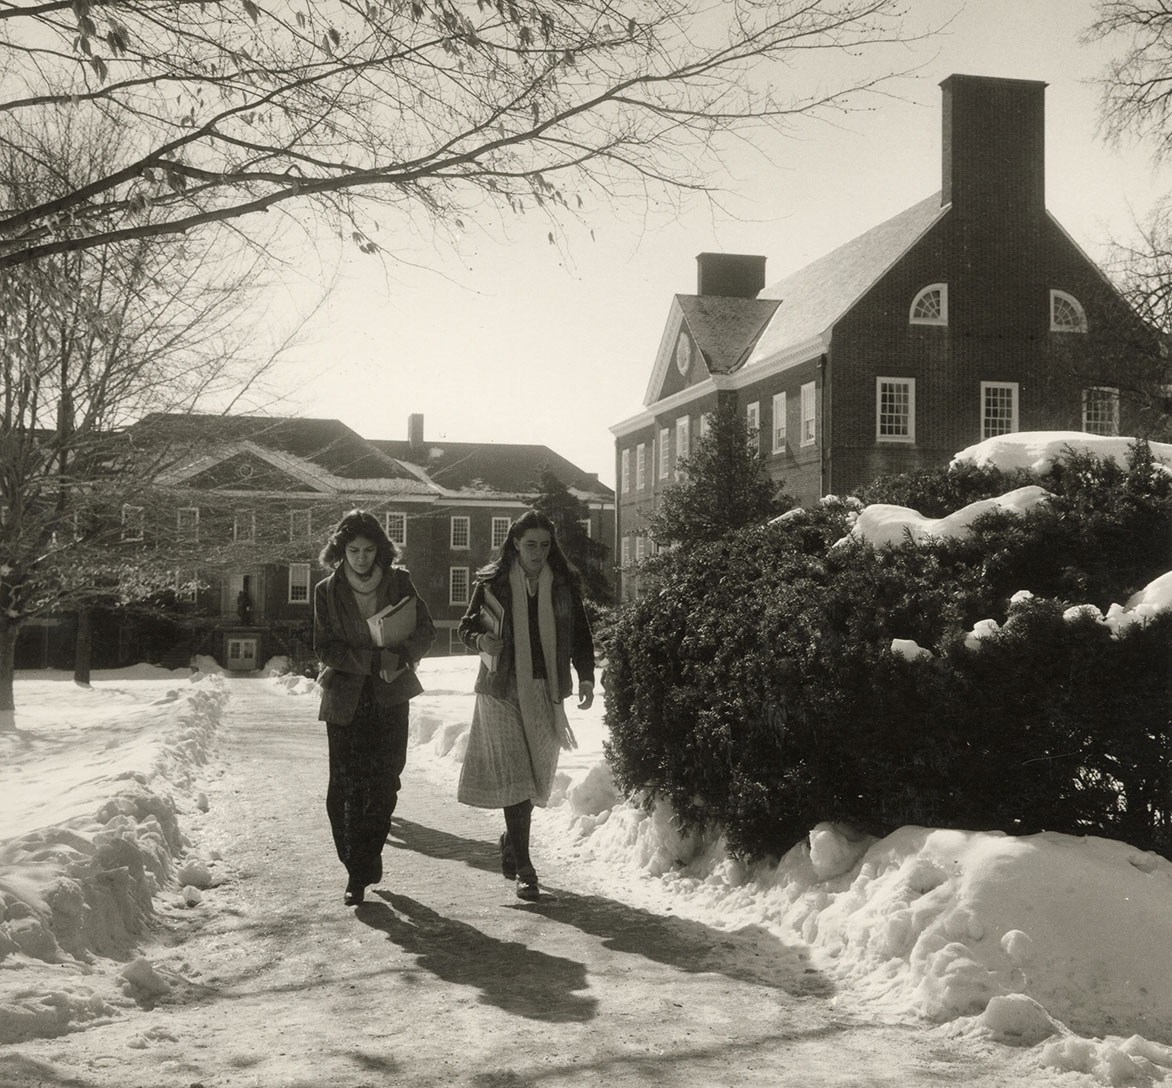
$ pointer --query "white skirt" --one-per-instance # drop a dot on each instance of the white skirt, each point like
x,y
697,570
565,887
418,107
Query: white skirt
x,y
505,762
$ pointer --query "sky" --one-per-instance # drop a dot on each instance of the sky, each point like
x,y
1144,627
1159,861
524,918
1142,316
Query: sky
x,y
510,339
1057,946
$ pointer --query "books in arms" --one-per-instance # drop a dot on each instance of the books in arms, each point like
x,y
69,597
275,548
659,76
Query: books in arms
x,y
492,617
394,624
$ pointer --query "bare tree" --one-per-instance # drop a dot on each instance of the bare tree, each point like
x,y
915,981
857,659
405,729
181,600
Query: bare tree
x,y
441,109
89,341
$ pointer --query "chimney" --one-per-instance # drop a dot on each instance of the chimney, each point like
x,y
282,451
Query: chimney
x,y
415,429
733,275
994,147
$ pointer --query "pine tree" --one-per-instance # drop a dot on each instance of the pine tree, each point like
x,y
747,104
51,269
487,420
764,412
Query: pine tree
x,y
724,486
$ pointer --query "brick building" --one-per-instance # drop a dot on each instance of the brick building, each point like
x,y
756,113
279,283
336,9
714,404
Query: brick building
x,y
255,498
970,314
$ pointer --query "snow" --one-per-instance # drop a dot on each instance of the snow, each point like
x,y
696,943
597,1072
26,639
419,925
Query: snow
x,y
1055,945
1038,451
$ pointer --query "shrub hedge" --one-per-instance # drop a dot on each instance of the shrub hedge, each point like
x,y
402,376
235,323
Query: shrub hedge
x,y
754,687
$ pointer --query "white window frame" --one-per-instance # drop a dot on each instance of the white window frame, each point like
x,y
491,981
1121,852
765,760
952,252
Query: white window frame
x,y
1080,314
459,585
664,452
500,531
779,423
1113,396
186,586
704,424
683,440
912,317
986,389
249,517
641,466
189,531
460,527
300,525
299,579
640,547
133,523
395,526
809,428
587,527
894,384
753,424
625,554
625,471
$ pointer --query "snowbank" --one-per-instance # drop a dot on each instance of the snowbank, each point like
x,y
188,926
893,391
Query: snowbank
x,y
90,815
1038,451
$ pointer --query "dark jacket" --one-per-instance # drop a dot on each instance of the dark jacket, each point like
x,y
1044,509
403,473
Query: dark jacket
x,y
342,642
574,640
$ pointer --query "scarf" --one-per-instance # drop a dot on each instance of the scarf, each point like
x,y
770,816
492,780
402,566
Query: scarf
x,y
531,709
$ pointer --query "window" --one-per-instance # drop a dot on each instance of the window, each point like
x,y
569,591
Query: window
x,y
299,525
455,642
132,522
461,536
187,523
244,525
809,431
641,466
930,306
186,585
664,451
396,527
626,551
500,531
457,585
625,473
753,423
998,408
640,547
705,423
895,409
587,527
779,423
1100,410
1066,313
683,441
299,583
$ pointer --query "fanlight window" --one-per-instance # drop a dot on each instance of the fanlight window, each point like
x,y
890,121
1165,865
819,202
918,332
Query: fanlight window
x,y
1066,313
930,306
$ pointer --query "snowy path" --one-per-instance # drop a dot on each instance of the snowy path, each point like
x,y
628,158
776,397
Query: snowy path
x,y
445,979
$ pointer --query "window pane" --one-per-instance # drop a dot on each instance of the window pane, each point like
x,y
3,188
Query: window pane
x,y
895,409
458,585
998,410
461,532
396,528
500,531
1101,411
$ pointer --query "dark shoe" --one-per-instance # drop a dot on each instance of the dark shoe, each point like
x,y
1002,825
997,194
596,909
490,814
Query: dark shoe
x,y
508,861
355,894
527,887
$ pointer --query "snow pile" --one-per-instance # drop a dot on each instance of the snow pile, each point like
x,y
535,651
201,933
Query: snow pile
x,y
85,860
886,523
1039,451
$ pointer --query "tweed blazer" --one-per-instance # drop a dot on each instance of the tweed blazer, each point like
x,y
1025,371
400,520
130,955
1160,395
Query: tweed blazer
x,y
342,642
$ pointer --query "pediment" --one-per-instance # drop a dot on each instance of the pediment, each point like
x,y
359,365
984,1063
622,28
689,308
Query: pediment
x,y
245,467
679,363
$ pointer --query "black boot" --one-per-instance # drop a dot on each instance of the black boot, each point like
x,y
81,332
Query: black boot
x,y
508,861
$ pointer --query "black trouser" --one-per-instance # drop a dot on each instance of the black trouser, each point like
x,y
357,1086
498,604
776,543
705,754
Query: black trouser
x,y
366,759
517,821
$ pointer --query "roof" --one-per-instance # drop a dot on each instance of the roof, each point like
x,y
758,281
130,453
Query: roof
x,y
508,468
725,328
326,443
816,296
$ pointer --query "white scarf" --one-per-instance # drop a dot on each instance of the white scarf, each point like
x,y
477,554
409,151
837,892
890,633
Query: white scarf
x,y
531,710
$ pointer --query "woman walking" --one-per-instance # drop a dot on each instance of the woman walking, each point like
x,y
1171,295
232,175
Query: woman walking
x,y
366,683
527,621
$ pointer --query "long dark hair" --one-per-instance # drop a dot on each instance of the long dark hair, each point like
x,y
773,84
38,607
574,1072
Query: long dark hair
x,y
503,561
355,524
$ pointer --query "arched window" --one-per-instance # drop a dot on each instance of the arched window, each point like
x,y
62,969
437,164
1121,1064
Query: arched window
x,y
930,306
1066,313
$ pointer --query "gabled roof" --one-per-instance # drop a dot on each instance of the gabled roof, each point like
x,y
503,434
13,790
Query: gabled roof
x,y
490,467
321,450
327,443
724,329
816,296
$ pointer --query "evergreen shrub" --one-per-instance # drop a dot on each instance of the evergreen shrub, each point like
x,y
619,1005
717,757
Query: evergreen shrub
x,y
753,684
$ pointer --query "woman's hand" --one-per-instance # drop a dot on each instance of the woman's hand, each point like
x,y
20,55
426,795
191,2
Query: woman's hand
x,y
489,644
585,696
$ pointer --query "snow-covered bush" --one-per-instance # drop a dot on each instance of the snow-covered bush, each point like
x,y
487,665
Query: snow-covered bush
x,y
755,687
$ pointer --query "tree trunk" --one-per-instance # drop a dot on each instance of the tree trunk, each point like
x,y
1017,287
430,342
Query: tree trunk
x,y
83,647
8,633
